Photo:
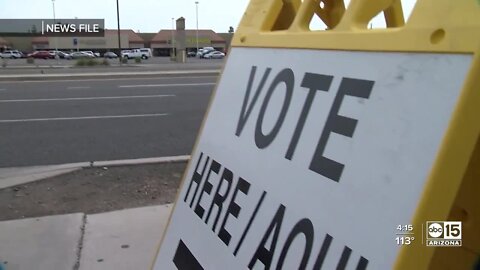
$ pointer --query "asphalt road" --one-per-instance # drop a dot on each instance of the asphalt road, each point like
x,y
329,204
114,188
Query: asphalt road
x,y
19,66
56,122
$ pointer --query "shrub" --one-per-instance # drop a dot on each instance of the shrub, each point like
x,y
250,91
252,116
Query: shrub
x,y
4,63
105,62
92,62
124,60
81,62
30,60
138,60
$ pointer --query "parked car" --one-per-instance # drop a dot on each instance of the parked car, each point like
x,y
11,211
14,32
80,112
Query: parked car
x,y
214,55
137,53
146,52
208,49
19,53
205,51
64,55
110,55
90,53
191,54
11,54
78,55
42,55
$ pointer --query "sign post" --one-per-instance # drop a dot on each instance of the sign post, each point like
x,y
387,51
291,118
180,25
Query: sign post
x,y
348,148
75,43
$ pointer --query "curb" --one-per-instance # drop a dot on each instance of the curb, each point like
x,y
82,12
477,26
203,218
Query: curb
x,y
22,175
35,67
139,161
136,74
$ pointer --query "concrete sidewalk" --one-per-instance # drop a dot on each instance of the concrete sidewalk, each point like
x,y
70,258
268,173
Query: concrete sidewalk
x,y
125,239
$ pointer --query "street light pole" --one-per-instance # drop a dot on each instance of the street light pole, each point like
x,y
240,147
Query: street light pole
x,y
56,38
196,6
118,34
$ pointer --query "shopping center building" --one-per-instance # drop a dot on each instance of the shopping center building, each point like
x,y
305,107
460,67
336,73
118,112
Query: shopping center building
x,y
161,43
109,42
164,40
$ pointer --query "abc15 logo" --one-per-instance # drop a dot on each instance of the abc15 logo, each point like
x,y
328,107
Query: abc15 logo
x,y
448,230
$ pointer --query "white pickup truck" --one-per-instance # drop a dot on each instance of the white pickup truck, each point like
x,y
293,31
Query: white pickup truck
x,y
11,54
137,53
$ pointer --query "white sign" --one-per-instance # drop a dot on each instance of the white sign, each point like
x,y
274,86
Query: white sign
x,y
311,159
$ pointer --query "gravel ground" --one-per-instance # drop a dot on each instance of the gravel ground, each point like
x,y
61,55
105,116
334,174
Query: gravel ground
x,y
93,190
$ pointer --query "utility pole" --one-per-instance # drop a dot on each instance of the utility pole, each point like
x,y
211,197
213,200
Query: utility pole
x,y
196,5
173,37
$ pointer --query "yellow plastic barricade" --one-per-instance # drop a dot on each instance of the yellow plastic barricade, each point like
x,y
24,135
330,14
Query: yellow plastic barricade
x,y
342,148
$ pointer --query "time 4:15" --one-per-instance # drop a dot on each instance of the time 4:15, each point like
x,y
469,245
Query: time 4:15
x,y
405,228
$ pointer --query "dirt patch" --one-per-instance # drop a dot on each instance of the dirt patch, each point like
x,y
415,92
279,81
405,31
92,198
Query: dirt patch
x,y
93,190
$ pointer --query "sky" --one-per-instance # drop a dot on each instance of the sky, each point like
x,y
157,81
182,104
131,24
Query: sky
x,y
145,15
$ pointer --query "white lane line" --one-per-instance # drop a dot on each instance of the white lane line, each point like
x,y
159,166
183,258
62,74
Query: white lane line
x,y
78,87
165,85
81,98
83,118
111,79
3,89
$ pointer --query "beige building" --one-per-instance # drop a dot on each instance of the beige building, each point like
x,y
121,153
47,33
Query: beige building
x,y
228,39
164,40
4,44
128,39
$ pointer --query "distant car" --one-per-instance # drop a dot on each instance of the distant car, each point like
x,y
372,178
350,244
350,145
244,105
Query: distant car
x,y
137,53
22,55
11,54
110,55
64,55
214,55
191,54
206,50
146,53
78,55
60,54
91,53
42,55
